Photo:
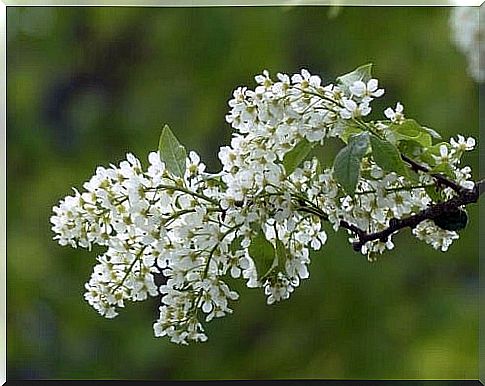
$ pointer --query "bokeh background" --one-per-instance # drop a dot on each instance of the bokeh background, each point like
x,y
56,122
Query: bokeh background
x,y
87,85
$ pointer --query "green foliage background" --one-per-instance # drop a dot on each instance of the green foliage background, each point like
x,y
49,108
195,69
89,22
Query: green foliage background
x,y
87,85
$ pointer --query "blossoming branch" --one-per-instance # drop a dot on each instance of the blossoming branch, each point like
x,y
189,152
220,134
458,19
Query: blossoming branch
x,y
261,214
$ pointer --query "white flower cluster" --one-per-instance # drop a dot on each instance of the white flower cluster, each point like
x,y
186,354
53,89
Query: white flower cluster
x,y
274,118
434,235
260,215
153,223
269,122
467,32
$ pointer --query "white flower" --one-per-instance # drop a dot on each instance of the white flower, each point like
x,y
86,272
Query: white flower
x,y
461,144
264,82
466,24
444,156
397,115
353,110
463,177
193,165
305,79
467,184
366,90
434,235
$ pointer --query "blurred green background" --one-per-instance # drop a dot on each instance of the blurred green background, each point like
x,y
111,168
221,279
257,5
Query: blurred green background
x,y
87,85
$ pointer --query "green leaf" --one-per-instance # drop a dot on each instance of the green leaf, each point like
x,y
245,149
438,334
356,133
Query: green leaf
x,y
363,73
432,132
412,130
236,244
387,156
347,162
349,131
263,254
413,176
410,148
431,151
295,156
172,153
434,193
424,139
445,169
281,255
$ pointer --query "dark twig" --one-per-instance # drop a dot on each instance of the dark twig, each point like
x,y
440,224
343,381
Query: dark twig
x,y
466,196
437,176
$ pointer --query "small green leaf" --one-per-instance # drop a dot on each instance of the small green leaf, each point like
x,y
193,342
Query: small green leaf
x,y
432,132
409,128
410,148
172,153
349,131
295,156
347,162
263,254
387,156
412,130
434,193
363,73
445,169
236,244
413,176
424,139
281,254
431,151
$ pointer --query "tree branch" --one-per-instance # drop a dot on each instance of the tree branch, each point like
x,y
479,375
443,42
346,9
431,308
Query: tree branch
x,y
439,177
465,197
